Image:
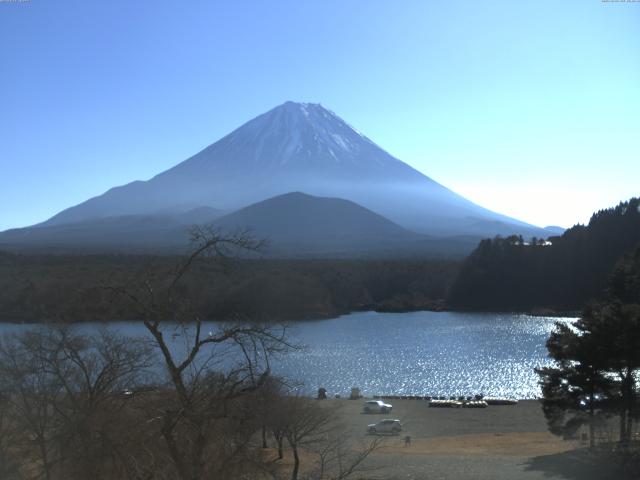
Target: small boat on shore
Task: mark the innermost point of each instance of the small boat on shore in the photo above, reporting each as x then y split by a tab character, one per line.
500	401
445	404
475	404
475	401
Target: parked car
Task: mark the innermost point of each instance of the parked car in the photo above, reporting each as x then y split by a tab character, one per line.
385	426
376	406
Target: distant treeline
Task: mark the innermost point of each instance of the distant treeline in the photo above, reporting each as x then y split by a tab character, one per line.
78	288
562	274
502	274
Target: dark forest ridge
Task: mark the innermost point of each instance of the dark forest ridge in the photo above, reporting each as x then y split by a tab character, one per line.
510	274
40	288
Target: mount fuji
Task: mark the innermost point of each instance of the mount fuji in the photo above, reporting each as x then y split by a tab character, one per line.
295	147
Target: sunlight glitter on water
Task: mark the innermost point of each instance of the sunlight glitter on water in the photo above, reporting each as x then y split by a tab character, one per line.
417	353
422	353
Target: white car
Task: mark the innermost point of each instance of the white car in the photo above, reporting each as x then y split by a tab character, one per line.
385	426
376	406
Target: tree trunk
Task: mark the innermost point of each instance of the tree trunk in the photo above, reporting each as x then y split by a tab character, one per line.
279	438
174	452
630	401
591	415
623	423
264	437
296	463
45	458
627	406
198	456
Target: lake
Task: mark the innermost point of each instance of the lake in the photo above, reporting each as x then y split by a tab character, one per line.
417	353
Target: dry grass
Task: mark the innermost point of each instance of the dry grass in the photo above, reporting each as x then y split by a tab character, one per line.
508	444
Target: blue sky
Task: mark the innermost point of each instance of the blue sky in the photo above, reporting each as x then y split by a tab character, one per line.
528	108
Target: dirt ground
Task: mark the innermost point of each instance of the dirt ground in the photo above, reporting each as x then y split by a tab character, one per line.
499	442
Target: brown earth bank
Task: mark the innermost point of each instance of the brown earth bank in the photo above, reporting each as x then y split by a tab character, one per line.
499	442
40	288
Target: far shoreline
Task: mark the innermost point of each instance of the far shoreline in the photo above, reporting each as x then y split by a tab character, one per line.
542	313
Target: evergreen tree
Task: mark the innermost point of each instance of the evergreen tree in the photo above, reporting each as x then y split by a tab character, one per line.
574	390
597	357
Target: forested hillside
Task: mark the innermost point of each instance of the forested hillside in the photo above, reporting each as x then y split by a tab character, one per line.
559	274
75	287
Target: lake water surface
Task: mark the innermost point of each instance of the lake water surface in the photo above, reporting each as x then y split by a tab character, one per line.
418	353
424	353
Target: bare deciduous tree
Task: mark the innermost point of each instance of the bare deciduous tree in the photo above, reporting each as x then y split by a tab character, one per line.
212	368
63	402
88	406
339	459
317	429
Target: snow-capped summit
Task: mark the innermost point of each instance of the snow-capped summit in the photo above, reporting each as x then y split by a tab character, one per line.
298	138
304	130
300	147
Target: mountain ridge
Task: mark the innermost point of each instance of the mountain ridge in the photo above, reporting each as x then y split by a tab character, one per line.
295	225
301	147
